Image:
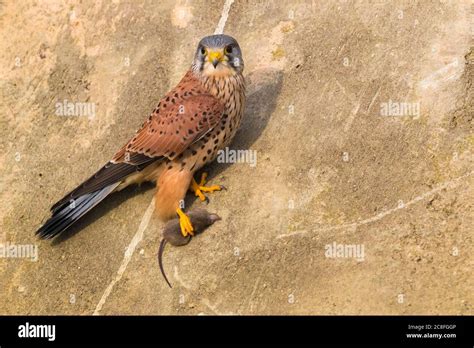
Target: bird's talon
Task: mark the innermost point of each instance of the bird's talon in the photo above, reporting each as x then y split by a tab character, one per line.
210	188
199	194
185	223
200	188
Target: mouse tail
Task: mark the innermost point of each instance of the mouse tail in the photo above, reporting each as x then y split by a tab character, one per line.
160	260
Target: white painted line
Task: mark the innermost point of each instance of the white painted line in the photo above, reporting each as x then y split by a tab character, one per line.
128	255
224	16
373	99
446	73
291	234
354	225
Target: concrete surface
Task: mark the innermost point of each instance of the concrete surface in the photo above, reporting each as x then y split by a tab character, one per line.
330	167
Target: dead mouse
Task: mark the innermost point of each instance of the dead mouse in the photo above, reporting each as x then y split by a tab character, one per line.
200	219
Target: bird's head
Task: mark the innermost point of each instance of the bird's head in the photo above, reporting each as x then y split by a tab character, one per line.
218	56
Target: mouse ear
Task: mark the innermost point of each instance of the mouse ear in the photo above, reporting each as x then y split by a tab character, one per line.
214	217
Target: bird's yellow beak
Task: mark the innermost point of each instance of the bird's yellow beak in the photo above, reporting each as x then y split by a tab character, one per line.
215	56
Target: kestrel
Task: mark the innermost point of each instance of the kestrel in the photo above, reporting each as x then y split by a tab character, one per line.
185	131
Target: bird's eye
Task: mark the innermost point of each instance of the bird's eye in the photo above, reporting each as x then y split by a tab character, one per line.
228	49
203	51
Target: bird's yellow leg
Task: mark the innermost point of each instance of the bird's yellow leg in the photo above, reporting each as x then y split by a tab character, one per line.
185	223
200	188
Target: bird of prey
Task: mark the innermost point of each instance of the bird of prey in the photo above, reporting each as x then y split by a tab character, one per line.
185	131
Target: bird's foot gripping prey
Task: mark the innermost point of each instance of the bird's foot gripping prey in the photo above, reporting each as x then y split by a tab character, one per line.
185	131
198	189
172	233
185	224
